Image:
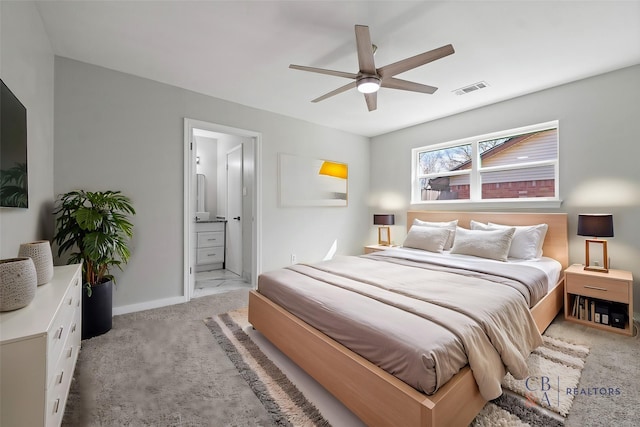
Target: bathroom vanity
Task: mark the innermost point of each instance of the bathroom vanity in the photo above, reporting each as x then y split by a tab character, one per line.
210	245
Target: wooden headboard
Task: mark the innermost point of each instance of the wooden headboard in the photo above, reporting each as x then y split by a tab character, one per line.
556	242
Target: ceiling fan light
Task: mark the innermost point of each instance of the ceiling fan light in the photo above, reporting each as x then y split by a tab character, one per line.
368	84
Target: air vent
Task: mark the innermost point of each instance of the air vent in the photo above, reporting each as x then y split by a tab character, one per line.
471	88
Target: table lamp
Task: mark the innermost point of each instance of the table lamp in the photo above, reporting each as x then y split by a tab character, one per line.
596	225
384	233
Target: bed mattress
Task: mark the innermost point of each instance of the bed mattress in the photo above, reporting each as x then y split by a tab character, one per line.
422	320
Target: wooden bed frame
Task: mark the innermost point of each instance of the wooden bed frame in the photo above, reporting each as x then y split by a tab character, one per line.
375	396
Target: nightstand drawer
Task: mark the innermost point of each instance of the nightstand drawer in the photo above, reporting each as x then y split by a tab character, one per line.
603	288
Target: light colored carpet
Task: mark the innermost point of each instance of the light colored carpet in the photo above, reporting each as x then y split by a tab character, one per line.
162	367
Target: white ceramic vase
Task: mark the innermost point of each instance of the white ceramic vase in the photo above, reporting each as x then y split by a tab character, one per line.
18	283
40	253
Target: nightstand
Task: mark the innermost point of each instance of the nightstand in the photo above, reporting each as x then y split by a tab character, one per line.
375	248
599	300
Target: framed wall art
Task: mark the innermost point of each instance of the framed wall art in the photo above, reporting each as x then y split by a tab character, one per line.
304	181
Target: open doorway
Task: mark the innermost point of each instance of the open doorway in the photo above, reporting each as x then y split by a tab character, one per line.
221	210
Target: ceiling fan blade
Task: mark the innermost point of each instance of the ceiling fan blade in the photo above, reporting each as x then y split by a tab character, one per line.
335	92
365	50
394	83
372	100
323	71
415	61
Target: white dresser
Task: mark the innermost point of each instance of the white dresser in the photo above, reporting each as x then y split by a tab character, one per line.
38	352
209	245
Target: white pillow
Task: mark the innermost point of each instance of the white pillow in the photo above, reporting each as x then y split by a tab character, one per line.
430	239
450	225
492	244
527	241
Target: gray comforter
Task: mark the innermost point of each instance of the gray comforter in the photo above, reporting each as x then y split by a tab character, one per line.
420	322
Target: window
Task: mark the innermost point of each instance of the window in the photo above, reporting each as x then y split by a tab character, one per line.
509	166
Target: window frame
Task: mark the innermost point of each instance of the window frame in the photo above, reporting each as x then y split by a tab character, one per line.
475	186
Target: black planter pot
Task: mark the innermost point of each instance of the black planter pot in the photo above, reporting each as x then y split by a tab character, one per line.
97	312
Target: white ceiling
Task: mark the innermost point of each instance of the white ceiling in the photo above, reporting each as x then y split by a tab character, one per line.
240	50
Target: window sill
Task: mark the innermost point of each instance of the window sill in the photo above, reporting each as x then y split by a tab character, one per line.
492	204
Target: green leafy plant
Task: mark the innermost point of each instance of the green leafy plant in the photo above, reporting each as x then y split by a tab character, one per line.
96	227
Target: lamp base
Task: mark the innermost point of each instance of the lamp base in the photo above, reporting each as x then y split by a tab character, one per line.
597	258
384	236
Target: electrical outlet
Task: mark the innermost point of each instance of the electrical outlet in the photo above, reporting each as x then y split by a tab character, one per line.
294	259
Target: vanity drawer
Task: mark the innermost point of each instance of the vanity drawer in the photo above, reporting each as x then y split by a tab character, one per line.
210	255
209	226
210	238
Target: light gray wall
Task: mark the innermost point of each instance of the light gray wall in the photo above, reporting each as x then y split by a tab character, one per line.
26	67
121	132
599	152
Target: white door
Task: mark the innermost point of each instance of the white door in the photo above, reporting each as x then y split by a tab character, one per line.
191	217
233	258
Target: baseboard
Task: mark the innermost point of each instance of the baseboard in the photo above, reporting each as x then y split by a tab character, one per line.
132	308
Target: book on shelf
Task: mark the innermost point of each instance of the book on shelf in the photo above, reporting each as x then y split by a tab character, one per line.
602	309
591	309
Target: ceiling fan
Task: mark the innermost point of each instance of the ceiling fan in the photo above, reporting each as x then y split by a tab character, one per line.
369	78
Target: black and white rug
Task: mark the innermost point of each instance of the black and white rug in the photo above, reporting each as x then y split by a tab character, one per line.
544	398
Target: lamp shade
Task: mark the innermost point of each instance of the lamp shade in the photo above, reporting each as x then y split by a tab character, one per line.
383	219
596	225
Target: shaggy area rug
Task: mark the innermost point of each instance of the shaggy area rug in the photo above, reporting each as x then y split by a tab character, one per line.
542	399
286	405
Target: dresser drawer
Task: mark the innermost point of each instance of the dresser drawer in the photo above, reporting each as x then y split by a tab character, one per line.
210	239
598	287
62	325
58	389
210	255
68	350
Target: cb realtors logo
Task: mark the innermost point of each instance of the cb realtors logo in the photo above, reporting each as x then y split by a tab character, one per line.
548	391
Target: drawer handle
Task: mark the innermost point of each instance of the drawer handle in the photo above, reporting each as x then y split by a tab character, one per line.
70	352
58	334
596	288
212	254
70	300
73	328
56	406
59	380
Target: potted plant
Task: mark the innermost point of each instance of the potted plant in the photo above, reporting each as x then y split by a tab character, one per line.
96	228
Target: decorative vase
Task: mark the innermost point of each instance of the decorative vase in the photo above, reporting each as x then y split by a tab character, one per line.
40	252
18	283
